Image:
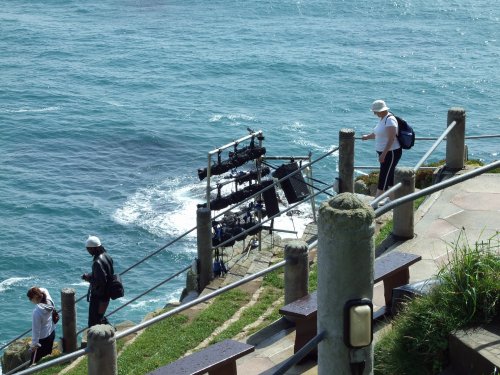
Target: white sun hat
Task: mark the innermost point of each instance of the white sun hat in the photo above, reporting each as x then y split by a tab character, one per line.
379	106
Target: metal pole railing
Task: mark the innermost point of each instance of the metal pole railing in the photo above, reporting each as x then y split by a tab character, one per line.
435	144
54	362
417	166
301	353
222	244
439	186
193	229
158	318
143	294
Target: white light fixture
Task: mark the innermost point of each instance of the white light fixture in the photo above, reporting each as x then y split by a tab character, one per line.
358	318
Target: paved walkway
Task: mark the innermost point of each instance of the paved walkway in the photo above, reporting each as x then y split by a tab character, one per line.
473	205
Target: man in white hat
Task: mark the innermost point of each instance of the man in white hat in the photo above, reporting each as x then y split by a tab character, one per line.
102	272
386	144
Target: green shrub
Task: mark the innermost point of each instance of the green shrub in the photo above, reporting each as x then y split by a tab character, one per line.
468	296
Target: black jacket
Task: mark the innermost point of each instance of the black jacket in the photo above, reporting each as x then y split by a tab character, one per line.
102	272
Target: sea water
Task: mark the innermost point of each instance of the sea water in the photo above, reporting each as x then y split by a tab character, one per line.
108	108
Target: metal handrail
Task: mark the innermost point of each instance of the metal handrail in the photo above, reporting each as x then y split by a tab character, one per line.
435	144
55	361
378	166
378	212
275	183
466	137
222	244
301	353
163	316
450	127
143	293
439	186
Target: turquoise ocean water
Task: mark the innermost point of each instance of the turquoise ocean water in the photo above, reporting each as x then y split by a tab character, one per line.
107	109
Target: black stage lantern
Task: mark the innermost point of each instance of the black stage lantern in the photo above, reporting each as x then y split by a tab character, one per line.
294	187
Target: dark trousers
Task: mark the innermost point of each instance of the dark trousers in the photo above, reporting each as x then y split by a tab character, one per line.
97	309
386	176
46	347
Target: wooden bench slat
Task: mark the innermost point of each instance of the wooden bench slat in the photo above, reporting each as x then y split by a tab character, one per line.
392	269
392	263
384	267
305	307
207	359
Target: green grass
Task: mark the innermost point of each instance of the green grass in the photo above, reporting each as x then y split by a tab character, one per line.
170	339
468	296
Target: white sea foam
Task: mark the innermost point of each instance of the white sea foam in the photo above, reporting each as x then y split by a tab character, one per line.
22	110
10	282
233	118
168	209
146	304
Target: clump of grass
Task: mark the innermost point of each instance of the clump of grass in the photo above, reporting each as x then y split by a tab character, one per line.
469	295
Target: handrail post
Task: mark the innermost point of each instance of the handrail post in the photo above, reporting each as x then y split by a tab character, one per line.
345	272
102	350
69	337
346	161
455	141
296	270
403	216
204	245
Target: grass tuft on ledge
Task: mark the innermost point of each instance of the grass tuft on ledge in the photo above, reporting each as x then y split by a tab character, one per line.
468	296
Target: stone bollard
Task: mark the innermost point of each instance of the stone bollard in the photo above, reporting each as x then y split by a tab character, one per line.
345	272
455	140
296	271
69	338
204	245
102	350
403	215
346	161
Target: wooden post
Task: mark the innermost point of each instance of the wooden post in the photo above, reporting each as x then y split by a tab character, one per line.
69	338
204	242
455	140
346	161
296	271
403	216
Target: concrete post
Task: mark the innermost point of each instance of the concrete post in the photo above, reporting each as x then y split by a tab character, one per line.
102	350
346	161
455	140
403	216
345	272
69	338
296	271
204	242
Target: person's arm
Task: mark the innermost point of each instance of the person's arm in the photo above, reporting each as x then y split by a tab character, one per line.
35	330
368	136
391	136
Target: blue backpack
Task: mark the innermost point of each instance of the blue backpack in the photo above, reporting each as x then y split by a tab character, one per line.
406	134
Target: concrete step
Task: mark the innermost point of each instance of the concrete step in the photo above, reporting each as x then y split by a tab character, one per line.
476	351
